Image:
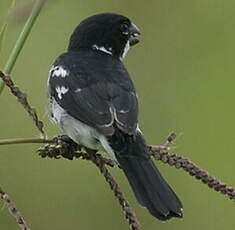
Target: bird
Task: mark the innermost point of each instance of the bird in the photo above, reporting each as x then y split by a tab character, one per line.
93	100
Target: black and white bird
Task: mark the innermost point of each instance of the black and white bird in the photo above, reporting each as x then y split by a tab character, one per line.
93	100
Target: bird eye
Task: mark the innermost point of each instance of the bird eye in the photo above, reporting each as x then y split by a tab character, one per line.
125	28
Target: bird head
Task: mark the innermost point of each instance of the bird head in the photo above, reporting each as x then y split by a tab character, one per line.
110	33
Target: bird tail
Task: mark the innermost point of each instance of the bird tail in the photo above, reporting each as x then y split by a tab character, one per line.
149	187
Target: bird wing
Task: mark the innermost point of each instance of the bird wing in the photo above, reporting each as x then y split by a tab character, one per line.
99	103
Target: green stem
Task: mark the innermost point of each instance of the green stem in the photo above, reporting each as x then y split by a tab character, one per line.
25	141
2	33
21	40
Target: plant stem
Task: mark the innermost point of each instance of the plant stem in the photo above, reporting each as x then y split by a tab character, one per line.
24	141
21	40
2	33
13	210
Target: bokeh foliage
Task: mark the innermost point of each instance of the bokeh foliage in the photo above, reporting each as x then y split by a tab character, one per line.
183	70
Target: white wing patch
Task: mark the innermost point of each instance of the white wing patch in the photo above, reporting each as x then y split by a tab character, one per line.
61	90
58	71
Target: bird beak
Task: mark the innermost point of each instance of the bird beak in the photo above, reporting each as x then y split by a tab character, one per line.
134	32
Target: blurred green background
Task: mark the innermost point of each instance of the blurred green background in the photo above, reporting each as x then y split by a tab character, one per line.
184	73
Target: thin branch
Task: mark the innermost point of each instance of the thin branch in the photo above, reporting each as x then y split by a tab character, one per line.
191	168
25	141
195	171
127	209
22	98
13	210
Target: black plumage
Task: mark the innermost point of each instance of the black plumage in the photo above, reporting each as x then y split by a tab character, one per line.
97	83
93	99
150	188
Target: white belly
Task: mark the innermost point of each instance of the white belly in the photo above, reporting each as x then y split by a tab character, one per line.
77	130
